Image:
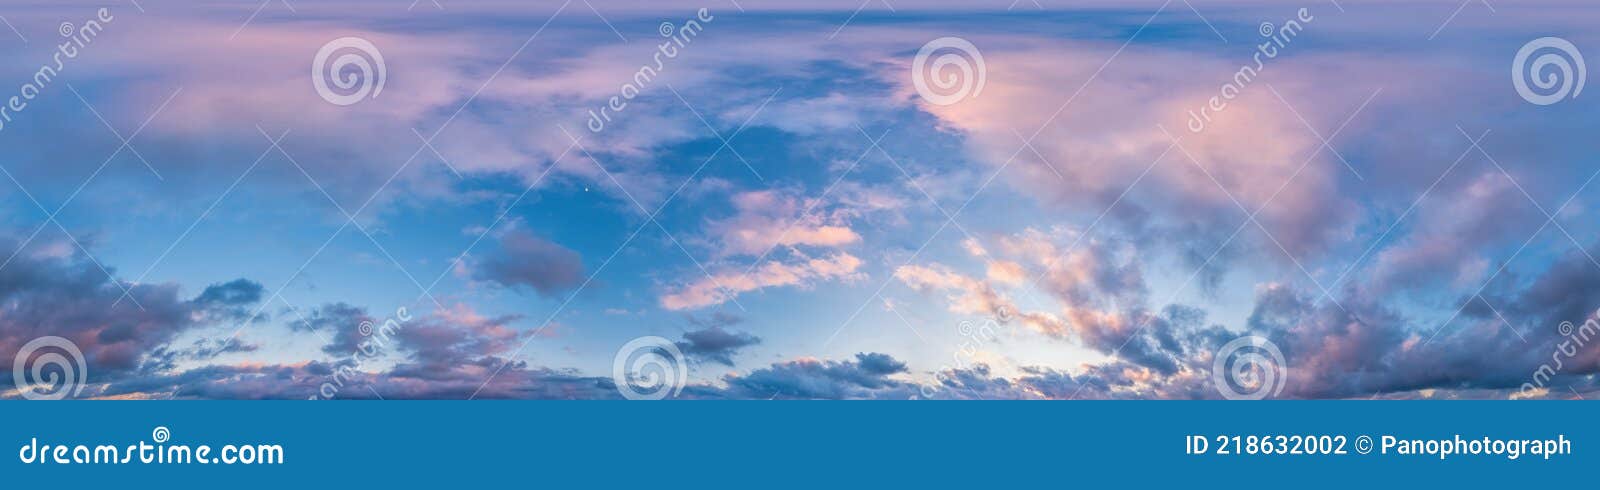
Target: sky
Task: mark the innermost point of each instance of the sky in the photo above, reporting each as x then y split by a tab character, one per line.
801	200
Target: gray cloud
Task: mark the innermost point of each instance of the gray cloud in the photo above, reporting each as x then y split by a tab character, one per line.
526	260
342	320
866	376
714	344
44	293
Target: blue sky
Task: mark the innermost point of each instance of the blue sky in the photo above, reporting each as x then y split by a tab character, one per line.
835	244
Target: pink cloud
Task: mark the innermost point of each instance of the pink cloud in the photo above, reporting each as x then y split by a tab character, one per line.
722	287
769	218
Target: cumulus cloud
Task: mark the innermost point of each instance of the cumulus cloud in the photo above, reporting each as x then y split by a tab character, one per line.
1358	347
451	353
1499	342
724	286
715	344
70	296
980	383
526	260
232	302
342	320
1098	288
238	292
452	339
1446	244
1098	295
967	295
769	218
1078	270
868	375
1125	122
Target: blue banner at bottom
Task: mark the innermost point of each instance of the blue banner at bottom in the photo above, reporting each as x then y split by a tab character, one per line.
797	444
